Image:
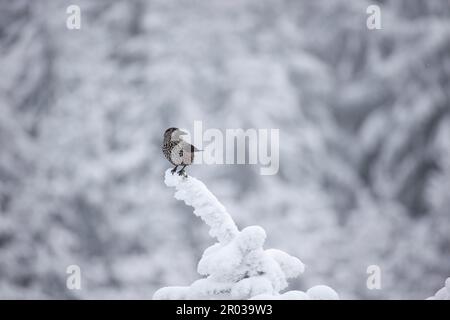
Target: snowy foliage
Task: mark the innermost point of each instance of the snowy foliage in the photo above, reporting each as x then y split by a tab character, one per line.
442	294
237	266
195	194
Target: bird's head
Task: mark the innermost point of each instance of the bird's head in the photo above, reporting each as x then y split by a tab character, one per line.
173	134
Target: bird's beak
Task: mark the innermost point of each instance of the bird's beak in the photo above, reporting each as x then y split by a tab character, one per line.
183	133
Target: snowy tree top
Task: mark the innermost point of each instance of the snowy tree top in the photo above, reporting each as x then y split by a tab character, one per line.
237	266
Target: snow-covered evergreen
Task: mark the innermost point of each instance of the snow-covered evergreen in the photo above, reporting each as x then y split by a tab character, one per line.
443	293
237	266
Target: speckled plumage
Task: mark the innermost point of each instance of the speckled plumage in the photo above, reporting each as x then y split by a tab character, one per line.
176	150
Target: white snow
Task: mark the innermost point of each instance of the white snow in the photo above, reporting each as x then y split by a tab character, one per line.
443	293
171	293
291	266
236	267
194	193
322	292
294	295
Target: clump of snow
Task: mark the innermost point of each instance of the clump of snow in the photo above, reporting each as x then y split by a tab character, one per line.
250	287
171	293
294	295
291	266
251	238
443	293
237	267
322	293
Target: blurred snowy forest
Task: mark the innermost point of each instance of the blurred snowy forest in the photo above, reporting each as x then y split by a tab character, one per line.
364	118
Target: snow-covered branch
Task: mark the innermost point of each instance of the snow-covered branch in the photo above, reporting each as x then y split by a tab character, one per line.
206	206
443	293
237	267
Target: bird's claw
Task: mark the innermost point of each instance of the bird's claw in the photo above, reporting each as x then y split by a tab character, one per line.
173	171
182	173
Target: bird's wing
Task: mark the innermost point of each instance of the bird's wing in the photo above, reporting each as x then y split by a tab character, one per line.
187	147
194	148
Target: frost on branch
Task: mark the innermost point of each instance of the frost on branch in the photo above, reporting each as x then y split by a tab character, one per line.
443	293
237	266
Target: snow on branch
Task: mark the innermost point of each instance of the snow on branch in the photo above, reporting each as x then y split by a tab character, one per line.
237	266
443	293
206	206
